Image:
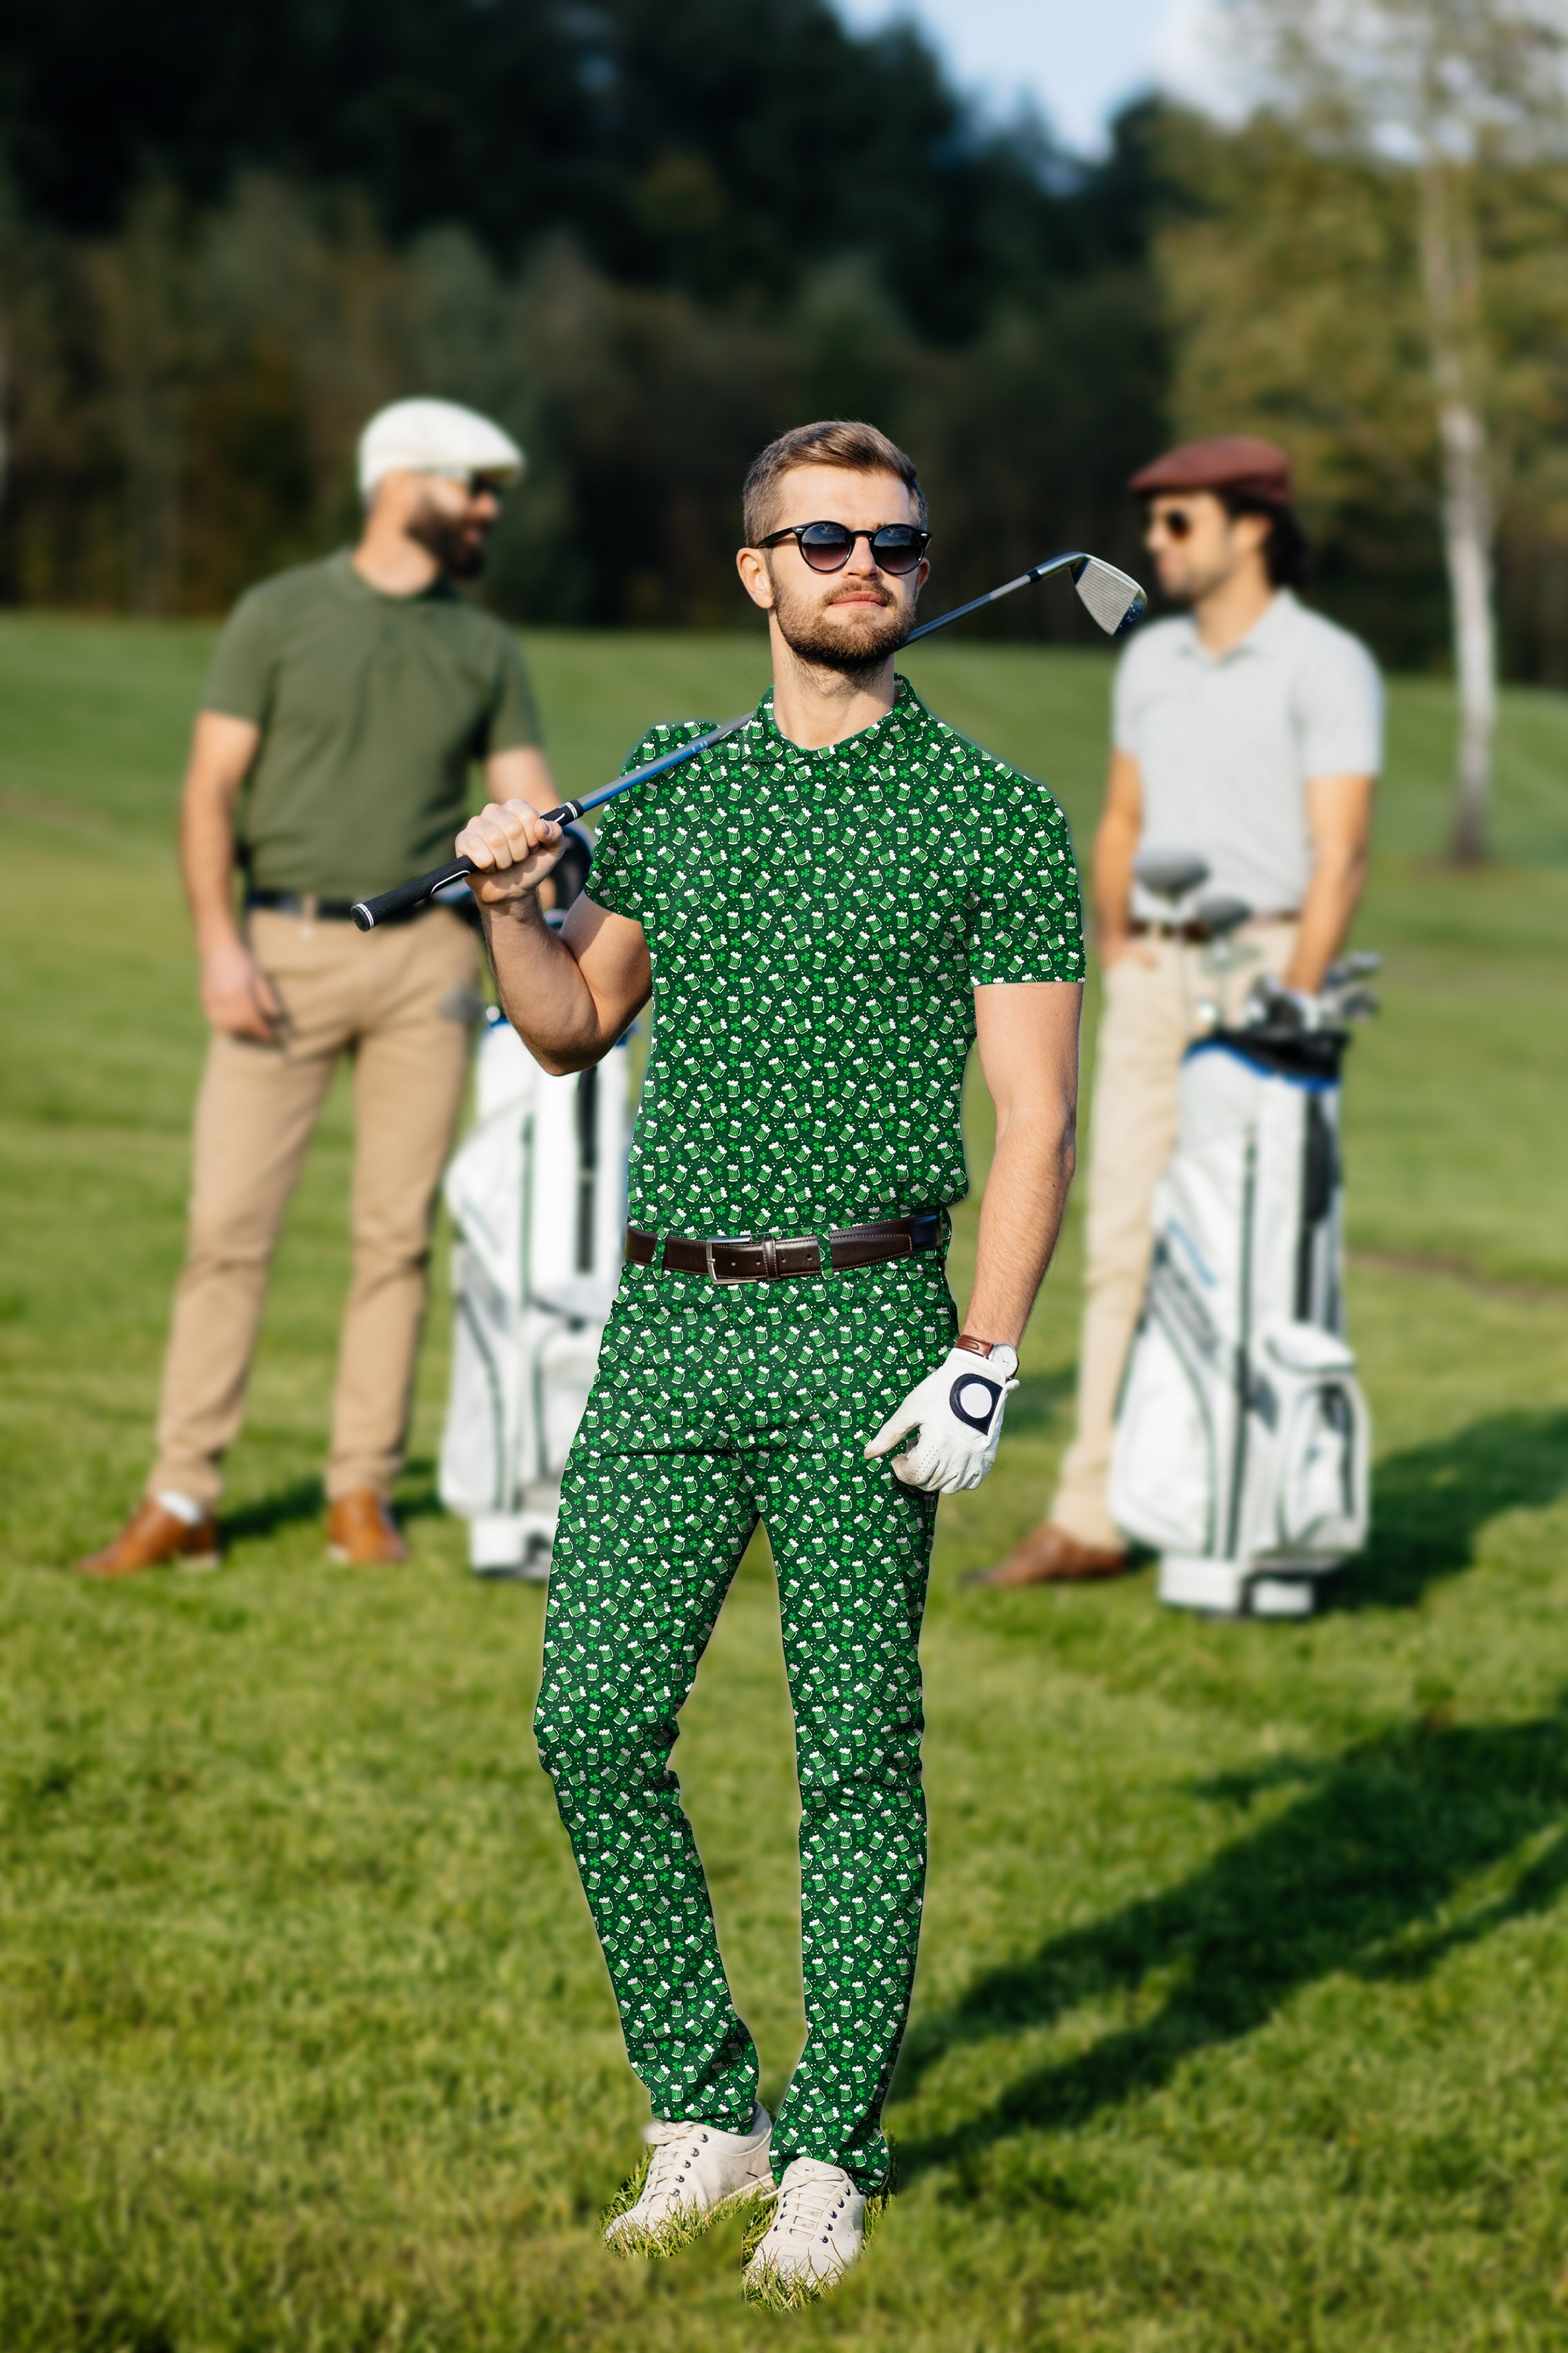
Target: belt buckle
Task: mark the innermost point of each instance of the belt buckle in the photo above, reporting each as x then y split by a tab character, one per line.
713	1273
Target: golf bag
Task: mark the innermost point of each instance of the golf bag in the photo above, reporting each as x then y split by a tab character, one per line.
538	1191
1242	1439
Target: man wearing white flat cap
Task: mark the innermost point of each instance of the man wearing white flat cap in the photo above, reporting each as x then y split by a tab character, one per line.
330	758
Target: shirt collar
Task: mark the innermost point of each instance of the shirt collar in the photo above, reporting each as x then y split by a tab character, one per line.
906	702
353	584
1271	624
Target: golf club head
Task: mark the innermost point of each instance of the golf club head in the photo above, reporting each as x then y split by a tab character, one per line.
1270	1006
1170	873
1222	915
1359	966
1112	598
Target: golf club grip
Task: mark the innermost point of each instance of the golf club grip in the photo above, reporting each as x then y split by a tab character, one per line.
403	901
368	913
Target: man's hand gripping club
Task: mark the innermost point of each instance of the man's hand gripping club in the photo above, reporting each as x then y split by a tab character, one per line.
569	994
513	849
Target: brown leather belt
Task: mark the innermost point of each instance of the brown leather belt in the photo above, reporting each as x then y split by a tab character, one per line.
1198	934
726	1260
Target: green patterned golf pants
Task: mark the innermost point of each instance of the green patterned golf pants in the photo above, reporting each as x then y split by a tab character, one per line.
717	1407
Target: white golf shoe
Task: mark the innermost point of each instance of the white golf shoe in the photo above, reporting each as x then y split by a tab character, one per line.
818	2230
694	2172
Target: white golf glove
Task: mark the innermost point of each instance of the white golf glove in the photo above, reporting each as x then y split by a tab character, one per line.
958	1412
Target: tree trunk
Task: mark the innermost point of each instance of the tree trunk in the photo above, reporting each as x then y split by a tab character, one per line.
1450	274
1468	533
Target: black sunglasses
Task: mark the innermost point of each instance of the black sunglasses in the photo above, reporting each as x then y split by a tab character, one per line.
896	547
1174	522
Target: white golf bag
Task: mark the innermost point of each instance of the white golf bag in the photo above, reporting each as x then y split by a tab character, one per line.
538	1191
1242	1439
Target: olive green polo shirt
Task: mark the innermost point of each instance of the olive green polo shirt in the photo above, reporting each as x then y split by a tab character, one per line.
371	709
819	922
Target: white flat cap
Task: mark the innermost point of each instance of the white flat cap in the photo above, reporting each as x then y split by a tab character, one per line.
434	436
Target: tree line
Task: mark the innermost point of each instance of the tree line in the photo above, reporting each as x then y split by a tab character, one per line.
649	237
646	236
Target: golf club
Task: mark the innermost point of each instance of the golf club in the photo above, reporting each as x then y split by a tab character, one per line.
1113	598
1170	873
401	901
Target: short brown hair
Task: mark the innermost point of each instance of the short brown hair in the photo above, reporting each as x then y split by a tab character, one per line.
834	441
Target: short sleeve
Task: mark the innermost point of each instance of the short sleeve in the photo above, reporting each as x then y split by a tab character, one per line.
1340	708
1026	921
240	679
514	715
618	878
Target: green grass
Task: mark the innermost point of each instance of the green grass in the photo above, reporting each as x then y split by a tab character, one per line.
1239	2021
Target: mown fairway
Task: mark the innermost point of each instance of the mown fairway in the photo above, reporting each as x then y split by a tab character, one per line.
1241	2018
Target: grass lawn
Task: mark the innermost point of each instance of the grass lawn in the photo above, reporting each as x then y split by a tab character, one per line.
1240	2019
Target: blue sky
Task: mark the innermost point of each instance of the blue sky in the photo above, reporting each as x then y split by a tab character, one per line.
1077	59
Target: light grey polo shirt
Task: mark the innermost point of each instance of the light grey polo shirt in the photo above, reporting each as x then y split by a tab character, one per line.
1226	744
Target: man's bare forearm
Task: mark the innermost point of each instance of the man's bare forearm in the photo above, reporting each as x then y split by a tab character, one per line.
1116	839
542	992
1333	897
1115	845
1020	1220
206	865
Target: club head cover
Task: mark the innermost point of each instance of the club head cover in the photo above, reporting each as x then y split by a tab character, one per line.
957	1413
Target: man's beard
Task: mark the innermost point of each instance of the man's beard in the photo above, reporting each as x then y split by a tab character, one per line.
1198	583
854	644
459	554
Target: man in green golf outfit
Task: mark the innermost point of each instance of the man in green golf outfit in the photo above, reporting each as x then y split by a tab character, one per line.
827	909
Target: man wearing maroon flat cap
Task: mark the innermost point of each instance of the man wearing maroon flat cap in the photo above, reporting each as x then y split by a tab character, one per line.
1248	733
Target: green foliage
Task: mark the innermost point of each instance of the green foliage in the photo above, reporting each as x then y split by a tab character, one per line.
1239	2021
1294	284
689	142
189	392
648	237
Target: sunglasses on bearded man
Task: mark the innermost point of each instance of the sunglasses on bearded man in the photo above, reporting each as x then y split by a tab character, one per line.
477	482
896	547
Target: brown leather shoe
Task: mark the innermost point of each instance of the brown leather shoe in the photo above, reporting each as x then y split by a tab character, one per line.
1049	1555
152	1537
362	1532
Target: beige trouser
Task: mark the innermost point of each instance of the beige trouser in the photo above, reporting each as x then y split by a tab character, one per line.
1149	1016
380	998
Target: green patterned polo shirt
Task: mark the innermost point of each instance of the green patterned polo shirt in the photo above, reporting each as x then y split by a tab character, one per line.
817	923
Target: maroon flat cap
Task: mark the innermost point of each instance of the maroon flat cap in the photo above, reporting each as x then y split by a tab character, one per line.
1228	461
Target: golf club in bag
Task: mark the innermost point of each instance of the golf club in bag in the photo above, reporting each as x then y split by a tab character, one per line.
1242	1438
1111	597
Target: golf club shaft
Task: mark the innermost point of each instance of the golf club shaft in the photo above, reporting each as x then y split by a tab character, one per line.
369	912
409	896
1024	579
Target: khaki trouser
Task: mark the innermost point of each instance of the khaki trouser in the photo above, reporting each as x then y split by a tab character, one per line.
380	998
1148	1018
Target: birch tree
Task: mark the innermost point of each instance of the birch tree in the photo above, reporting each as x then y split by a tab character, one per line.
1445	92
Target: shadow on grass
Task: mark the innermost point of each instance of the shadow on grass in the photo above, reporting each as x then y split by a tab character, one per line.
305	1499
1363	1873
302	1499
417	1497
1430	1503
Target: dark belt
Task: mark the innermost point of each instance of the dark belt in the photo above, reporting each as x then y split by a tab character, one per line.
1198	934
728	1260
312	909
